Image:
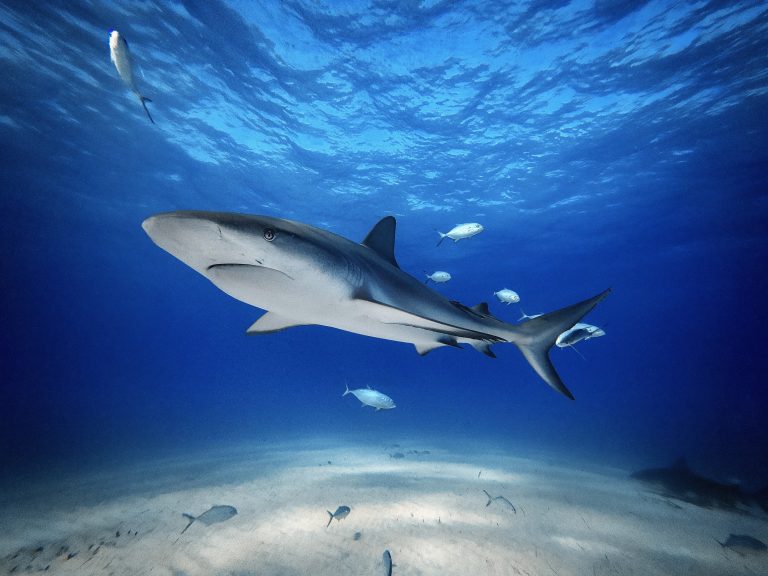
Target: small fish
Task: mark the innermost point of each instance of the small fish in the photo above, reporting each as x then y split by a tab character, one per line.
437	277
501	499
387	561
341	513
579	332
461	231
526	316
120	56
370	397
397	455
213	515
743	544
507	296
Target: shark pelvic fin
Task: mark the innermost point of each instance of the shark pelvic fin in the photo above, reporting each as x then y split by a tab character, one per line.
424	349
271	322
381	239
539	335
484	347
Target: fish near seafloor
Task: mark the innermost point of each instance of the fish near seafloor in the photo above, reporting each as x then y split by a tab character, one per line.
370	397
386	560
461	231
304	275
120	56
341	513
213	515
744	544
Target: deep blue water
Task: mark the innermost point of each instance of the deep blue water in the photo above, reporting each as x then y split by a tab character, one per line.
601	144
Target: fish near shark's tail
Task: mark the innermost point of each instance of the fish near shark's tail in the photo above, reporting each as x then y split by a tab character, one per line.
536	336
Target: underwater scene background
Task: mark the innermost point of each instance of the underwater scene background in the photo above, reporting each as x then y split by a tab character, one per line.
600	144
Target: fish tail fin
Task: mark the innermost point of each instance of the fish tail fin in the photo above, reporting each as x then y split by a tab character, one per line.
442	237
144	100
190	518
347	391
427	275
535	337
329	519
489	499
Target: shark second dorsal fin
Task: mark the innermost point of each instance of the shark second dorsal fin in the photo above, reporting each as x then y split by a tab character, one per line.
381	239
481	308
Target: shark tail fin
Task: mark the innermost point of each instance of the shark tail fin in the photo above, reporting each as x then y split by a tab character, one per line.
144	100
329	519
539	335
191	519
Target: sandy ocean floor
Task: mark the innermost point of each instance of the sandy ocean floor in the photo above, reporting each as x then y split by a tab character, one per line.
424	504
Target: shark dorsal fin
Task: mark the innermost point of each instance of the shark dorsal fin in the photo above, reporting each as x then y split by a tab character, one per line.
381	239
481	308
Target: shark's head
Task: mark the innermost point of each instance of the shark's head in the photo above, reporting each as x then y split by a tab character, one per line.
255	259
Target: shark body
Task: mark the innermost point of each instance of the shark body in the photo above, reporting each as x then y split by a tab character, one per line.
304	275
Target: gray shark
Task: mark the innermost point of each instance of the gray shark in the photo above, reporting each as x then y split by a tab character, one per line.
303	275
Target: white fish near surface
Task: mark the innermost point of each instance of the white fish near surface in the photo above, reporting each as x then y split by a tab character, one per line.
461	231
507	296
579	332
438	277
371	397
118	51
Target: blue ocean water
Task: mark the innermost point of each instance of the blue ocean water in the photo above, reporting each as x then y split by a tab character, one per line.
601	144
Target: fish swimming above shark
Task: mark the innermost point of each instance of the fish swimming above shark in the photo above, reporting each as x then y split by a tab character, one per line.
302	275
121	58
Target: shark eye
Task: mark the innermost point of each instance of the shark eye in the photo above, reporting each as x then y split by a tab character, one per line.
269	234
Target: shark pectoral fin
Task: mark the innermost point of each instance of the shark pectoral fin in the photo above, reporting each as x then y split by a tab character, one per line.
271	322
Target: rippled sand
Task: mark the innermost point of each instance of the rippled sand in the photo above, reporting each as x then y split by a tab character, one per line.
427	507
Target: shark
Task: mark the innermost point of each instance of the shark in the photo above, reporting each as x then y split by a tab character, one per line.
678	481
302	275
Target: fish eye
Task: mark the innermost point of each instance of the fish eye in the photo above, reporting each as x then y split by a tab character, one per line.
269	234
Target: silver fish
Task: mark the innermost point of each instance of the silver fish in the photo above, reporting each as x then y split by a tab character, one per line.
341	513
370	397
387	562
213	515
120	56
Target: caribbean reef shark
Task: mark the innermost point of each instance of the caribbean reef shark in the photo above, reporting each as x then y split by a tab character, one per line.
680	482
303	275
